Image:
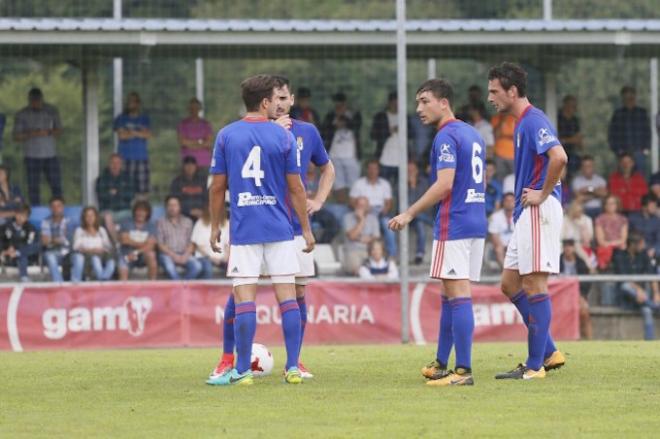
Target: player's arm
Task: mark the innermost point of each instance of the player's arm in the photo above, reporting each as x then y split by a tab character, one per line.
217	208
435	194
326	181
557	160
299	202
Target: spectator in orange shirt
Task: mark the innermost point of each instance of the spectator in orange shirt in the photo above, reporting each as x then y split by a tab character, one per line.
503	127
628	184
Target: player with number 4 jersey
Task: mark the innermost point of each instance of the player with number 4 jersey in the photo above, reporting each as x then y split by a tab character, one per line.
458	187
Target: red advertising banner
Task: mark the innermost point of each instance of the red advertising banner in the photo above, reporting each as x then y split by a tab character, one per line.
160	314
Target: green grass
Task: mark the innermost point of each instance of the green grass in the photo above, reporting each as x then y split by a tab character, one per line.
607	389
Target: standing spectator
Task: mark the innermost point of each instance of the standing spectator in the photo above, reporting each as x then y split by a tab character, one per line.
571	265
644	295
361	227
503	128
500	227
377	266
493	189
630	129
195	135
137	237
37	126
91	244
475	100
418	184
18	242
379	193
201	238
54	239
385	132
590	187
611	231
646	223
628	184
568	128
10	195
176	249
483	127
303	109
133	129
190	187
114	192
579	228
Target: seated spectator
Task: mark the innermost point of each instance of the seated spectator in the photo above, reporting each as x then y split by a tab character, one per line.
644	295
173	233
191	188
323	218
91	244
377	266
195	135
493	189
590	187
137	238
201	238
571	265
361	227
418	184
628	184
114	192
500	227
611	232
379	193
647	224
18	241
10	195
133	129
579	227
509	184
54	239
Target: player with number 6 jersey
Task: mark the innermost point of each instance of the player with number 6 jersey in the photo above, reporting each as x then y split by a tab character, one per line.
458	187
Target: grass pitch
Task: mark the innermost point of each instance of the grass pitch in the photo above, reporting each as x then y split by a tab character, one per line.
607	389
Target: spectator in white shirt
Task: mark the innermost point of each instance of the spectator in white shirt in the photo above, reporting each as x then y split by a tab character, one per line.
361	228
579	227
483	127
200	238
91	243
591	187
377	266
500	226
509	184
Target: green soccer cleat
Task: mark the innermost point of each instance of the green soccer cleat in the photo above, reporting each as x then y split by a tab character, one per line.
293	376
232	378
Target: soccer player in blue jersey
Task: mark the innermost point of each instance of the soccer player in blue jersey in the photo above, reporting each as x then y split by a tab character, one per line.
258	161
311	149
534	249
458	187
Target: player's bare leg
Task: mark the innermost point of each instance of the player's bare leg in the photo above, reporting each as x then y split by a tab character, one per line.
302	305
462	317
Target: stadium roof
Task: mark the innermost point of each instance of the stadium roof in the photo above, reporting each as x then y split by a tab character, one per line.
214	37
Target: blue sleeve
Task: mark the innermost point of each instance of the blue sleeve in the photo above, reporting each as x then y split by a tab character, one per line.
319	154
118	122
218	162
543	134
292	154
146	121
444	148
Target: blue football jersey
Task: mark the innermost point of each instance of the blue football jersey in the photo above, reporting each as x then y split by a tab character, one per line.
462	214
534	136
256	155
311	150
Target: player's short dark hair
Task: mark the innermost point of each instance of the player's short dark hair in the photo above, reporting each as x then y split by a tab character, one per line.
510	74
255	89
628	89
35	93
281	81
144	205
440	88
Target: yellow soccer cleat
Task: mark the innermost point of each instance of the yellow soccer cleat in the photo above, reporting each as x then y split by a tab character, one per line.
433	368
554	361
531	374
293	376
450	378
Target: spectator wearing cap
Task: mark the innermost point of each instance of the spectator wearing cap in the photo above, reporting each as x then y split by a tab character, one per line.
195	134
568	128
646	223
630	129
133	129
173	233
10	195
190	187
341	135
303	109
37	127
55	240
628	184
385	132
18	241
114	192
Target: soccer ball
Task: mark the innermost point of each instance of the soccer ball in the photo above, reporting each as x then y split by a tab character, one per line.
261	361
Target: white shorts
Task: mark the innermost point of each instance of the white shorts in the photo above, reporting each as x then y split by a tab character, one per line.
457	259
271	259
535	245
305	260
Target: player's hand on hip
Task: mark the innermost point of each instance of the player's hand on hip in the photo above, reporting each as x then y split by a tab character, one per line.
284	121
309	241
313	206
400	221
215	240
531	197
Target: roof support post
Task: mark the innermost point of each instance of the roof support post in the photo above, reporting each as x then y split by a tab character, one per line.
655	155
91	147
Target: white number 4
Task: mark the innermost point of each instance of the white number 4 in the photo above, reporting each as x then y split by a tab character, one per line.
477	164
252	166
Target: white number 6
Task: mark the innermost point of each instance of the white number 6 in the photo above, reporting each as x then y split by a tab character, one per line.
477	164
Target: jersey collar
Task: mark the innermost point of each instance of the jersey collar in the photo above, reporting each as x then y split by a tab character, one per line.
255	119
444	124
524	113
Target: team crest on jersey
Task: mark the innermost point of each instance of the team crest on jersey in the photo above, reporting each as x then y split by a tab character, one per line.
518	141
299	143
546	137
446	154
